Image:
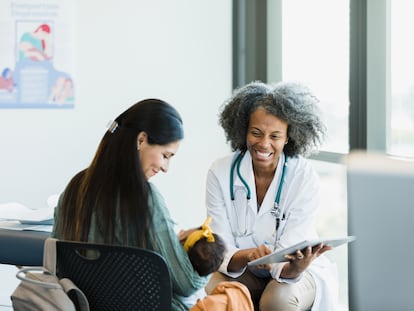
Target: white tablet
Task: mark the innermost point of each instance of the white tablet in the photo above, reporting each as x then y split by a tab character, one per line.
279	256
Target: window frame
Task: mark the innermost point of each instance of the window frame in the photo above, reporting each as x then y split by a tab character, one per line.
256	24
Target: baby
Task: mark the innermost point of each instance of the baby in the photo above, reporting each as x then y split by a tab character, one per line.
206	252
205	249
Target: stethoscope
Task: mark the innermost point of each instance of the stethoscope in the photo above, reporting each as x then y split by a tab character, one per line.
276	210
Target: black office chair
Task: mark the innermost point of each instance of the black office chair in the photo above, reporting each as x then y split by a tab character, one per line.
116	277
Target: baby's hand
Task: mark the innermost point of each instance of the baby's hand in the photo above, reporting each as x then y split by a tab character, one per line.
183	234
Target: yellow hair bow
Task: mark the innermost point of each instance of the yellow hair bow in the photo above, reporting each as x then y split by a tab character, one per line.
205	231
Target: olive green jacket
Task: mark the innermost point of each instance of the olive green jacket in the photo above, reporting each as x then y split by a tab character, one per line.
185	280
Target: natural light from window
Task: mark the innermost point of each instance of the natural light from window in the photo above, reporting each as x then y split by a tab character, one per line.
402	79
315	50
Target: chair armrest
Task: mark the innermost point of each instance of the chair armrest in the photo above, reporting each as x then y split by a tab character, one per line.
22	248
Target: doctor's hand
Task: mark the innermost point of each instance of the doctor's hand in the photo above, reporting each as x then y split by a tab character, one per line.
301	259
243	256
259	252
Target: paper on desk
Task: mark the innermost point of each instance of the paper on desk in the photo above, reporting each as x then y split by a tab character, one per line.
18	226
25	215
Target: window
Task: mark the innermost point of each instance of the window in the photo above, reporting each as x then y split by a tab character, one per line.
315	50
402	79
332	218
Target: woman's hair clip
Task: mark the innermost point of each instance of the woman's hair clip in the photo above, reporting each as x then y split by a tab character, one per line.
112	126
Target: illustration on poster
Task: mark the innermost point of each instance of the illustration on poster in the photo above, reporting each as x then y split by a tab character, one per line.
34	45
34	82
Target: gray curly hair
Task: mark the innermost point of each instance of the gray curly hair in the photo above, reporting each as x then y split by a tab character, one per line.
292	102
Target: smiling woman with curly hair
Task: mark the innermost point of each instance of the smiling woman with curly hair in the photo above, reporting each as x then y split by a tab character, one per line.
265	196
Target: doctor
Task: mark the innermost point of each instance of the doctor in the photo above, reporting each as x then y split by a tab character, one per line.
265	197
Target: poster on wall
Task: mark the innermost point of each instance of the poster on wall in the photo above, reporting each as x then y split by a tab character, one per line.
37	54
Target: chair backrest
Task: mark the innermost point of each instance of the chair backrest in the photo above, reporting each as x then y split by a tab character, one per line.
116	277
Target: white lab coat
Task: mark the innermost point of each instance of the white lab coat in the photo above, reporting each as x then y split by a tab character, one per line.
299	202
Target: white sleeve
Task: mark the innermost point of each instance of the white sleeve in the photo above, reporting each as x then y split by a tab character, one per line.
276	270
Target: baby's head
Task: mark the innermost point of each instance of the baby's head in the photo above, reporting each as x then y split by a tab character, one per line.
205	249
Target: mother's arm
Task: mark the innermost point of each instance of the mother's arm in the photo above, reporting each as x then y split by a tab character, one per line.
185	279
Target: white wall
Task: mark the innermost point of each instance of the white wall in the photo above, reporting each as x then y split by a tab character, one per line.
128	50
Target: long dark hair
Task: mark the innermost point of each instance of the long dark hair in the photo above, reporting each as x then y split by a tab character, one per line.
113	191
